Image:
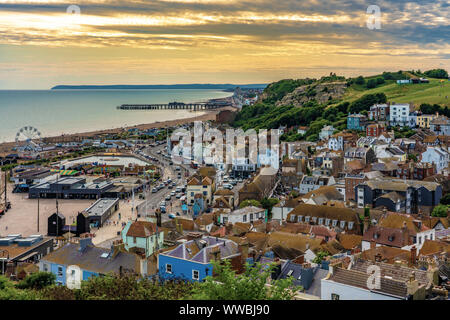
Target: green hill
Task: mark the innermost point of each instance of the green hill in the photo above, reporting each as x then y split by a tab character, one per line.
435	92
315	103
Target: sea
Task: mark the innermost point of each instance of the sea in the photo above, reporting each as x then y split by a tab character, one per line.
56	112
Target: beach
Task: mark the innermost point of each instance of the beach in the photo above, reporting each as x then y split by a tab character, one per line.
208	115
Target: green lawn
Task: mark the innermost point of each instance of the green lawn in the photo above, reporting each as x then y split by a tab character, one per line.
433	92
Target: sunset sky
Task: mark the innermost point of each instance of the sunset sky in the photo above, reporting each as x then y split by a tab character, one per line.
214	41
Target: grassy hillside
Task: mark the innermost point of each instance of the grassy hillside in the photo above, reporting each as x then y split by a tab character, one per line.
434	92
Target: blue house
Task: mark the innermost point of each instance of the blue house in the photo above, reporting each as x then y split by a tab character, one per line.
74	262
356	122
302	274
190	261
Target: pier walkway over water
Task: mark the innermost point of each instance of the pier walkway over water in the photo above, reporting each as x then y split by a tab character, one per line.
173	105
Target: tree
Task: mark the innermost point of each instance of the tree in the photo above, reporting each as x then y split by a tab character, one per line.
360	80
250	202
372	83
437	73
9	292
37	280
412	156
446	199
380	80
440	211
250	285
268	203
320	256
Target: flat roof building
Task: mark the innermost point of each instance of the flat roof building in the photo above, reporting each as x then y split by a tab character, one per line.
101	210
70	188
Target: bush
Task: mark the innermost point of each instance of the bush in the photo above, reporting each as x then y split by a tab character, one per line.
250	202
440	211
360	80
250	285
37	280
437	73
446	199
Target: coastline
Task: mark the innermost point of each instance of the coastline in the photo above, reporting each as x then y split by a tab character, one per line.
5	147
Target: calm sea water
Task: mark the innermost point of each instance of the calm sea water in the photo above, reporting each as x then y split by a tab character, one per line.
54	112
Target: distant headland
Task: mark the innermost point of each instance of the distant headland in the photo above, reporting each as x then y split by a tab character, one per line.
163	86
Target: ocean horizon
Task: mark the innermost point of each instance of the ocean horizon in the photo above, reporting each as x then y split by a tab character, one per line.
56	112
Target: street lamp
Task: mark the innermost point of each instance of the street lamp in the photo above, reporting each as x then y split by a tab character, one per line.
4	259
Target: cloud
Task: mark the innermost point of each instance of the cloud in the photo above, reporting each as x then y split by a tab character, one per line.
284	32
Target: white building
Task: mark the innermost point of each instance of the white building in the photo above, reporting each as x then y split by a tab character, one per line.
244	215
399	114
438	156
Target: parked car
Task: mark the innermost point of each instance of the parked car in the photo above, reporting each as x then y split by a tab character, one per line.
168	197
163	209
171	216
154	190
173	193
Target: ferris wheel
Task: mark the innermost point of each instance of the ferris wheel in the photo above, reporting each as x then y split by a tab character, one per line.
29	135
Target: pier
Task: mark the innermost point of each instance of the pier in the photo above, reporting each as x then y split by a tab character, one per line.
173	105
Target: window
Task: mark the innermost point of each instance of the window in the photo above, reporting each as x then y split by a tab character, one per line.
342	224
134	239
350	225
290	273
45	267
60	271
244	218
251	216
320	220
293	218
299	218
168	268
334	296
195	275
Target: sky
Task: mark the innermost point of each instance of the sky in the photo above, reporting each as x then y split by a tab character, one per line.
47	43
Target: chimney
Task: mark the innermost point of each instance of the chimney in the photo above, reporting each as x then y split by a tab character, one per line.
84	243
366	224
115	249
215	254
412	284
433	273
243	249
413	255
158	217
405	233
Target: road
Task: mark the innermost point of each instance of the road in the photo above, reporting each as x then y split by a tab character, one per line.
152	200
